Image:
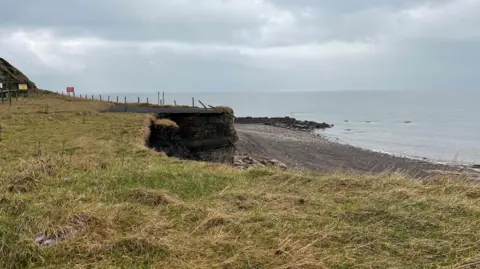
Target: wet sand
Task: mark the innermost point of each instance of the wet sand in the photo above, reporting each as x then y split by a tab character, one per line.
309	152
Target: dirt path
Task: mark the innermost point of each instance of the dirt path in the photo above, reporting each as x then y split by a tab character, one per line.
306	151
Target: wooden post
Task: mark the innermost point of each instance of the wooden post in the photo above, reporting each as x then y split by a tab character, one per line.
117	99
138	100
163	98
147	100
9	93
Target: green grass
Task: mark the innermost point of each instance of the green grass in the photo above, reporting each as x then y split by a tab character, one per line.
75	169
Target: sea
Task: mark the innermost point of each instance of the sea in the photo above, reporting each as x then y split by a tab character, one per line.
441	126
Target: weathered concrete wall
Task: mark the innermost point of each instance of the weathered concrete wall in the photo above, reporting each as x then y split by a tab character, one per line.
204	137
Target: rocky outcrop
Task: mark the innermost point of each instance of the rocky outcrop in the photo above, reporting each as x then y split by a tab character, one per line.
10	74
284	122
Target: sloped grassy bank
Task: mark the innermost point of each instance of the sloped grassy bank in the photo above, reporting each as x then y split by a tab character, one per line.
86	180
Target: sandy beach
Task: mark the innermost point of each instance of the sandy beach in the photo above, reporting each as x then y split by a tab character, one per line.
310	152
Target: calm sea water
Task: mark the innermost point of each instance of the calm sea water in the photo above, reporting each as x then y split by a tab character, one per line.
442	126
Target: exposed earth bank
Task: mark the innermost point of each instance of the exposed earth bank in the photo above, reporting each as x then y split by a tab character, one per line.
307	151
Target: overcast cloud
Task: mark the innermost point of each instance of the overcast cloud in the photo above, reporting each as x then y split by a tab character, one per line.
243	45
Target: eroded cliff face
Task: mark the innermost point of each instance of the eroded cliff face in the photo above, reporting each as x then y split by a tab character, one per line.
10	74
202	137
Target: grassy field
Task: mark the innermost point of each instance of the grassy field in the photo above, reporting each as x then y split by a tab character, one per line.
85	178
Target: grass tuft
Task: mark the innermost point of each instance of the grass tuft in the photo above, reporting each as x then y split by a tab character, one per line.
151	197
229	110
215	220
23	182
166	123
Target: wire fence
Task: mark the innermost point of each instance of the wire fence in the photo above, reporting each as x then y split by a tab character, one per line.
7	96
119	99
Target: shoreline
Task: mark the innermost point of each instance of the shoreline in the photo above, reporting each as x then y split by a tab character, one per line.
415	158
309	151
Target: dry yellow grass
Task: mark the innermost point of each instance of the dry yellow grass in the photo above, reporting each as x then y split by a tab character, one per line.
166	123
224	108
84	178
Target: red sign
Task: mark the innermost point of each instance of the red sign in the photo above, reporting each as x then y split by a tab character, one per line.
70	89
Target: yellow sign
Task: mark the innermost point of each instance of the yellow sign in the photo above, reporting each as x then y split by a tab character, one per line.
23	87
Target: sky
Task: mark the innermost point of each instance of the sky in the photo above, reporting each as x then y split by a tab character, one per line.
243	45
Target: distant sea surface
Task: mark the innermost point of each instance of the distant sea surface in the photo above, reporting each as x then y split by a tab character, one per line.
440	126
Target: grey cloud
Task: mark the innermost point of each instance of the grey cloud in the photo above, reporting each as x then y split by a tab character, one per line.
127	20
215	45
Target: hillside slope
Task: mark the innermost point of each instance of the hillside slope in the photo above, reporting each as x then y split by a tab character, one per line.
9	73
84	186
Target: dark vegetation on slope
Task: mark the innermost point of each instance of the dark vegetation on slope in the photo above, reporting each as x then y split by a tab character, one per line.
14	76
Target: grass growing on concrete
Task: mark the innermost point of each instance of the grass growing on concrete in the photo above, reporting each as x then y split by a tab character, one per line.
85	178
166	123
